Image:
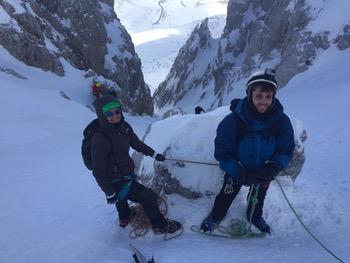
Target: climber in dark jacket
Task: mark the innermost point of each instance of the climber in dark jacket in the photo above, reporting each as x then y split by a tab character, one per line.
113	167
253	144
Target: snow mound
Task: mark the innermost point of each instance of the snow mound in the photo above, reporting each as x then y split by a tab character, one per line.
191	138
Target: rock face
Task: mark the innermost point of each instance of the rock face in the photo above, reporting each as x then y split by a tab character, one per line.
87	34
191	138
186	67
258	34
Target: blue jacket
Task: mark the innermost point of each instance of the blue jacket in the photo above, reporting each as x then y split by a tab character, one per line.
243	138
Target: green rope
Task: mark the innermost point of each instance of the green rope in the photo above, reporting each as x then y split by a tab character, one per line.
254	201
302	223
237	228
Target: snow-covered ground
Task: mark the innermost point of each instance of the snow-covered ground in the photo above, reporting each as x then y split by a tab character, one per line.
157	44
51	209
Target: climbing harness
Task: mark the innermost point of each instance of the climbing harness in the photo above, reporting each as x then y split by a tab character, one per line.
229	186
126	187
124	191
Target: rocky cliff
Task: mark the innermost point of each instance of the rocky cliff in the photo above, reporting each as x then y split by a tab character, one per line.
86	33
257	34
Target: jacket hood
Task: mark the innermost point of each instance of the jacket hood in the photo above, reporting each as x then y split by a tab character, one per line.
273	115
98	104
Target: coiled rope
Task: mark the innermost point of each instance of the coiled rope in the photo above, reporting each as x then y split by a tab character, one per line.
234	227
139	220
237	228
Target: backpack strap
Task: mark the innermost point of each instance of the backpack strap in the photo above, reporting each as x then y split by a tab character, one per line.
236	104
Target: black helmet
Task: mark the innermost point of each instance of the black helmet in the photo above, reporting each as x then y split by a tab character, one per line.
266	78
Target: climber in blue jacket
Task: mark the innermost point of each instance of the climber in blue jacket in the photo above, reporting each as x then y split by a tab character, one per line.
253	144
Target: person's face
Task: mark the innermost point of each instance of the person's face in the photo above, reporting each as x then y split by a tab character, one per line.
262	100
113	116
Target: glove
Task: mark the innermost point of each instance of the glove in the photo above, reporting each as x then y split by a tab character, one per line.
265	175
248	177
269	171
159	157
236	170
232	168
254	178
112	199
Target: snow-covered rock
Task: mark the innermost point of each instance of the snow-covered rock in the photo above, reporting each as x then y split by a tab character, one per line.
343	39
173	112
87	34
191	137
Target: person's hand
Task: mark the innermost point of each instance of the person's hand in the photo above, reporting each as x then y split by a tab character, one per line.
159	157
254	178
246	177
269	171
237	171
267	174
112	199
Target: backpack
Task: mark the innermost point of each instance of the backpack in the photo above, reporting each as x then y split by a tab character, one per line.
88	133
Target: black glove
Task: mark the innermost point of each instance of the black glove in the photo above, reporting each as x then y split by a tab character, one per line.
247	177
269	171
159	157
265	175
112	199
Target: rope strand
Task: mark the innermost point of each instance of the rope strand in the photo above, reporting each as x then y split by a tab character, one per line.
189	161
302	223
285	197
140	221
